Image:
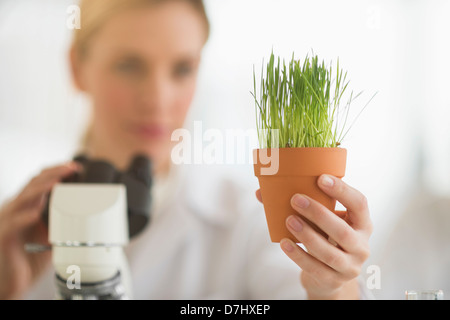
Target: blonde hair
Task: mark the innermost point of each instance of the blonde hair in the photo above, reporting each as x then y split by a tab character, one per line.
94	14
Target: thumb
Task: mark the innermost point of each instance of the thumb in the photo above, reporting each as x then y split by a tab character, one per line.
258	195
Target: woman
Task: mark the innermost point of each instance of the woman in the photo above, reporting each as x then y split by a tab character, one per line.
138	61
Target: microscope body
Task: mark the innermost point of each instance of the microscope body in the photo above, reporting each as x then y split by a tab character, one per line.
88	229
91	217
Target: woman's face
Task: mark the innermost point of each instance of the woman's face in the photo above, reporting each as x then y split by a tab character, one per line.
140	71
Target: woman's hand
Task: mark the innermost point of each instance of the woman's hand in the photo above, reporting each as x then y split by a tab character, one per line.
20	223
330	267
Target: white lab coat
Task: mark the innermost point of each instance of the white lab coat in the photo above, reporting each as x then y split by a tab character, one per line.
416	255
207	239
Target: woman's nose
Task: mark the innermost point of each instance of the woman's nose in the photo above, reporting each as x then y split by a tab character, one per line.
155	94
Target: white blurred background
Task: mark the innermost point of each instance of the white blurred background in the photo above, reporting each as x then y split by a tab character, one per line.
398	48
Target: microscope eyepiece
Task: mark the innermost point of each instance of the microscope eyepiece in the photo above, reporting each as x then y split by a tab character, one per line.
140	169
98	172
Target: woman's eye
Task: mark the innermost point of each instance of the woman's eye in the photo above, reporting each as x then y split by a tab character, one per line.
183	70
129	66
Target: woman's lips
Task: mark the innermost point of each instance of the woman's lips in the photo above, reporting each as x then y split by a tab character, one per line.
151	131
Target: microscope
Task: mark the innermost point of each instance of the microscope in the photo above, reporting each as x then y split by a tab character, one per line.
91	216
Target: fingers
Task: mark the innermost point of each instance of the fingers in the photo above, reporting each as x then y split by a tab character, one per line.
352	199
43	183
23	219
26	208
321	249
315	268
11	224
258	195
335	227
334	261
52	174
16	215
357	214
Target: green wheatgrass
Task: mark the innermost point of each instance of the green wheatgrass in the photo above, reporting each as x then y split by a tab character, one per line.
302	101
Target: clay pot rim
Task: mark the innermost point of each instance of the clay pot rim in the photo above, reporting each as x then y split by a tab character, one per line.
333	161
303	148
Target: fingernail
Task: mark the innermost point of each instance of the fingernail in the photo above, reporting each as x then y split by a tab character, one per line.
327	181
294	223
286	245
73	165
69	164
301	201
42	200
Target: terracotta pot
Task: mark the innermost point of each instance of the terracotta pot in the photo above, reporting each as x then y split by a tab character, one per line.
284	172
